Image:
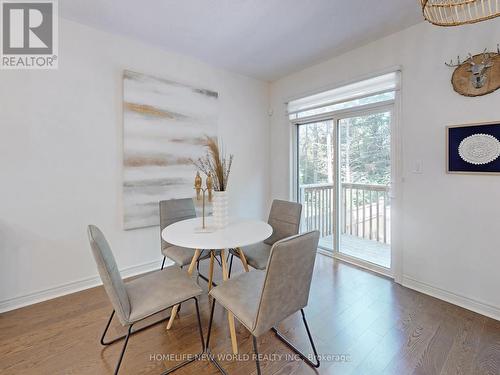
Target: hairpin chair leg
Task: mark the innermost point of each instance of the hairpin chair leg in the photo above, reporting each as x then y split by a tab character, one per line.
257	361
163	263
291	346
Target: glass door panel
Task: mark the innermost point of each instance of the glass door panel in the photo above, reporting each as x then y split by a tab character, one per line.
315	172
365	175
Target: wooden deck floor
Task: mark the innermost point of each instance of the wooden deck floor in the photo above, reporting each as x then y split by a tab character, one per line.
363	324
368	250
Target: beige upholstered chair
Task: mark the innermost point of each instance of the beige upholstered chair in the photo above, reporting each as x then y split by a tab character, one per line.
284	218
261	299
143	296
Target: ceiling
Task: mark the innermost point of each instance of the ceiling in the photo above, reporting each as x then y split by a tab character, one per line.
265	39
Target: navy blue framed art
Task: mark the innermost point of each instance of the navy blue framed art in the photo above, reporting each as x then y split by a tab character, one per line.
473	148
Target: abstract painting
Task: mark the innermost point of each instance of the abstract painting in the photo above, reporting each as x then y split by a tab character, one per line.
164	127
474	148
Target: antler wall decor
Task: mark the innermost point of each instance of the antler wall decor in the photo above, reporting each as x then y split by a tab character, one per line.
477	75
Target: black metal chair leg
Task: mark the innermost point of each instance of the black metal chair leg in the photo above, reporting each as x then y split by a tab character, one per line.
210	324
180	305
198	269
104	343
202	275
219	261
117	368
291	346
106	330
257	361
211	357
130	332
163	263
310	339
199	325
196	356
230	265
315	364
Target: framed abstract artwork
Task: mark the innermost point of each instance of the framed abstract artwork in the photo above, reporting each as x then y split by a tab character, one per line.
473	148
164	128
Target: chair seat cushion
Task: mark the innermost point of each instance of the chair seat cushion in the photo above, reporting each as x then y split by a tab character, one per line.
182	256
241	296
257	255
159	290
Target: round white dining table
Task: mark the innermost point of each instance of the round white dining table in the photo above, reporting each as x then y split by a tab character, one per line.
240	232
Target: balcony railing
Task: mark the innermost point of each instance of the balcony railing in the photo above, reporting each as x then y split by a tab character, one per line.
364	210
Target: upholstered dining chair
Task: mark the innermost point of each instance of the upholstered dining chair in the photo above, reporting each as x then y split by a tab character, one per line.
172	211
143	296
261	299
284	218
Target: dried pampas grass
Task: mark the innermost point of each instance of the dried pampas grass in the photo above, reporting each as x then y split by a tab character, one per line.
215	163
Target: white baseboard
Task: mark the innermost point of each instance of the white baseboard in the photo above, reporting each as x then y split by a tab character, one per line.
456	299
76	286
71	287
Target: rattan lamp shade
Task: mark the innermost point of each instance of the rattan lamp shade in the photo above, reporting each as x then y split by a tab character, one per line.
459	12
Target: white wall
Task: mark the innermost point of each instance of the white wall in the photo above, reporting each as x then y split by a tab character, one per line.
61	155
61	141
449	224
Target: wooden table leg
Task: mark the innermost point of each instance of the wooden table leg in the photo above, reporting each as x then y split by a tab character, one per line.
211	270
230	317
173	313
243	259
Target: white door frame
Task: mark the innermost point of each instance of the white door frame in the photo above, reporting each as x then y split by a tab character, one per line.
396	178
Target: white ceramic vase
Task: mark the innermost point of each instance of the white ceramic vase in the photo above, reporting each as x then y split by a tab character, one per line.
220	209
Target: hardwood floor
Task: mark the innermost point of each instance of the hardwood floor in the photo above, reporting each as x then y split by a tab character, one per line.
362	324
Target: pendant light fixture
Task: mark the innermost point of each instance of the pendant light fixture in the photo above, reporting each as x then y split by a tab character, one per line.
459	12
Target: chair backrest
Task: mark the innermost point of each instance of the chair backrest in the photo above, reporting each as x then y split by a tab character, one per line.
284	217
172	211
110	276
288	280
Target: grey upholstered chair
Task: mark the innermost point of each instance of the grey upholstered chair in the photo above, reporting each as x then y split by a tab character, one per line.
143	296
261	299
172	211
284	218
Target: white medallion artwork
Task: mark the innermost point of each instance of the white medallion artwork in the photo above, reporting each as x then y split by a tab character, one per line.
164	127
479	149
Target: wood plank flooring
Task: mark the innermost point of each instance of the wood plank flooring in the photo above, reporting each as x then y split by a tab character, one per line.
363	324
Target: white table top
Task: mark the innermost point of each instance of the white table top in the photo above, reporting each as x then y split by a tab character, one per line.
239	232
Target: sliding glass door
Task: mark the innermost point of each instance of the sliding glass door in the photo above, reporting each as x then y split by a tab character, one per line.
364	171
343	180
315	175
